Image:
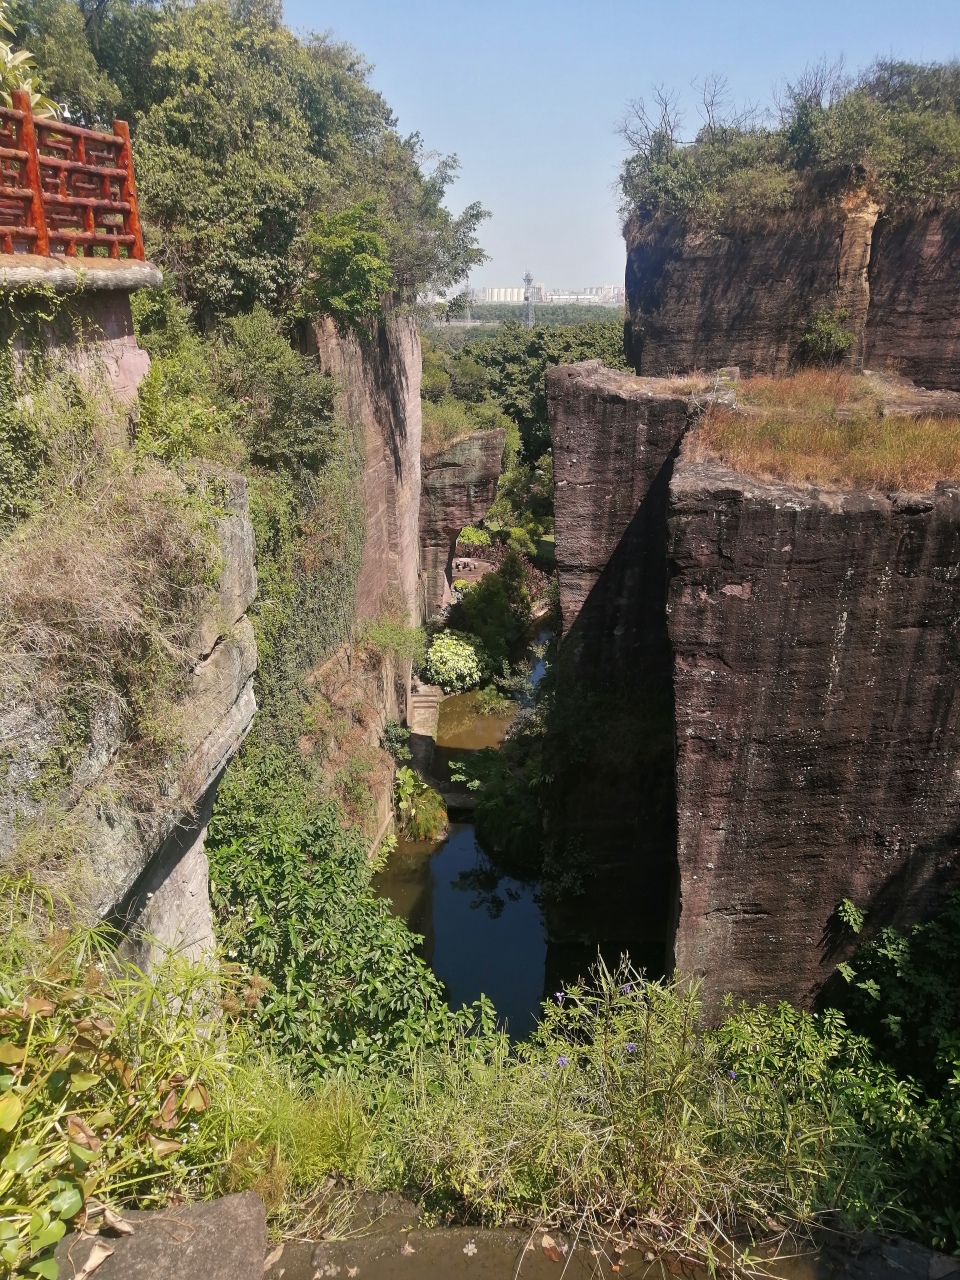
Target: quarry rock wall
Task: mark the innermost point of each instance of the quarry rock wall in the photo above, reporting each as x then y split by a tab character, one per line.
776	673
815	684
459	484
378	377
703	297
615	438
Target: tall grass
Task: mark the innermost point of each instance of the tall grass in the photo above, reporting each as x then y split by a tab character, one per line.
624	1117
825	428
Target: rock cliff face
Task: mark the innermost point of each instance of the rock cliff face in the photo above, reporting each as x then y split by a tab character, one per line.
459	484
793	651
615	438
704	298
379	388
147	870
818	754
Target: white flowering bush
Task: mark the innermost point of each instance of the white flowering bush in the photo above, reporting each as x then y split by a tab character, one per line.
454	662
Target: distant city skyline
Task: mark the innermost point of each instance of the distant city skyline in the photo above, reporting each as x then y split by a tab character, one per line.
598	294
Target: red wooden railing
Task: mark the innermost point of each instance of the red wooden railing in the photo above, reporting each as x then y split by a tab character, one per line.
65	190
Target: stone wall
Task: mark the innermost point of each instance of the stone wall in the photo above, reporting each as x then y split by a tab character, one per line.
95	331
379	388
818	755
459	484
706	297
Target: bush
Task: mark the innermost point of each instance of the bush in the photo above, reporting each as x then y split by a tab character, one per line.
472	537
825	341
421	811
395	738
454	662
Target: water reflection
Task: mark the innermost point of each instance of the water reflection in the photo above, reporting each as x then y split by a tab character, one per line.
483	931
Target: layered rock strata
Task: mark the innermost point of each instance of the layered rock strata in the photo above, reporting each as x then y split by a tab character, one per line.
702	297
773	670
615	438
378	379
459	484
145	869
818	755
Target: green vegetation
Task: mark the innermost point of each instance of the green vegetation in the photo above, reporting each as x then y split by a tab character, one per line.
423	815
496	610
891	134
455	662
550	315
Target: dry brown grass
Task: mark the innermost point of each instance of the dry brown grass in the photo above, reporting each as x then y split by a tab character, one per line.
99	596
824	427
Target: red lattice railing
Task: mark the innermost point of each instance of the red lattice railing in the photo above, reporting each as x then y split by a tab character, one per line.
65	190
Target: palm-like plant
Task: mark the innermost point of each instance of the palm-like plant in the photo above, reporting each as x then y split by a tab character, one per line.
18	71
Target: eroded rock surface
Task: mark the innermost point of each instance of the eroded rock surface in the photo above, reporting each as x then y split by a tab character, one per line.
705	297
379	389
459	485
818	755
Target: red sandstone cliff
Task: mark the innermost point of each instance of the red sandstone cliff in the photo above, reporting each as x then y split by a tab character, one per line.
702	298
459	484
379	388
802	646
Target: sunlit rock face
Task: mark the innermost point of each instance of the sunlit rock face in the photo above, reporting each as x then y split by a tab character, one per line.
776	672
700	298
459	484
818	754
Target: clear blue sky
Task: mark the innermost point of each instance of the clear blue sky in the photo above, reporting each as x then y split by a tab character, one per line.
528	93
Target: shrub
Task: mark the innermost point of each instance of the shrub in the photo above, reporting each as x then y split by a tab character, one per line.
825	341
454	662
388	636
347	269
470	536
395	738
421	811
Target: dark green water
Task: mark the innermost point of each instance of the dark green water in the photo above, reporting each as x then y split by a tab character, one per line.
483	931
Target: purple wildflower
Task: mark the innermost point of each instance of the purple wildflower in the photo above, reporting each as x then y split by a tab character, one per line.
631	1047
733	1075
563	1062
559	997
625	991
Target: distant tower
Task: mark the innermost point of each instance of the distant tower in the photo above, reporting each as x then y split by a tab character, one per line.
528	297
466	311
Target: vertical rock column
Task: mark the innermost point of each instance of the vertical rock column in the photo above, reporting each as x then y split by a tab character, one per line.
611	745
818	755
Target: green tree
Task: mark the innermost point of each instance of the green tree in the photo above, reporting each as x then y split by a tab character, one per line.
347	273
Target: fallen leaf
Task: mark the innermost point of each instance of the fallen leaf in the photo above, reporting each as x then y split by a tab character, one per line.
167	1117
163	1146
195	1099
81	1133
97	1257
407	1248
116	1223
273	1257
37	1006
117	1065
11	1054
549	1247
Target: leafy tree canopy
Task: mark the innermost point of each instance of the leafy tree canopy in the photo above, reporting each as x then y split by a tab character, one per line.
243	134
891	132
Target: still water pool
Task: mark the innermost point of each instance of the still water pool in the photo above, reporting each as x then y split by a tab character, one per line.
483	931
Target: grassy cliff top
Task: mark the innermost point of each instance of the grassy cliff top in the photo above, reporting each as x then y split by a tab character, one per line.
836	431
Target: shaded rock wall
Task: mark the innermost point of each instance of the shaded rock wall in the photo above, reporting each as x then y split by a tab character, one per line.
459	484
614	440
757	708
703	298
379	388
817	714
